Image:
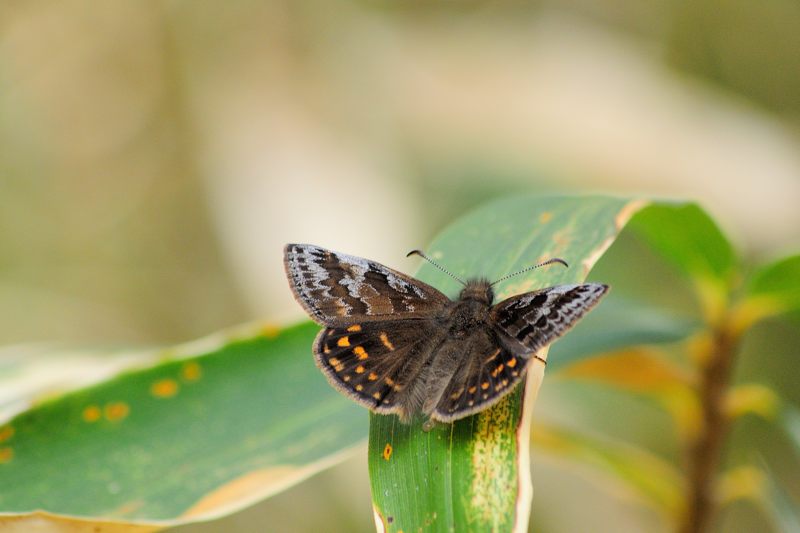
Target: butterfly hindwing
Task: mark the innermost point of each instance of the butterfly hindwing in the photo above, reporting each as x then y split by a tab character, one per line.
485	378
532	320
375	363
336	288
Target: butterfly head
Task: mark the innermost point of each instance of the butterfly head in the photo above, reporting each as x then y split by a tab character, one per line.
479	290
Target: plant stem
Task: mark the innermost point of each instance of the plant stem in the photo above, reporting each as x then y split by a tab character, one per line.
705	452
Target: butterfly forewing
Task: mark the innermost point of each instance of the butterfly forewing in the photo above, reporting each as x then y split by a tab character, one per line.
335	287
375	362
533	320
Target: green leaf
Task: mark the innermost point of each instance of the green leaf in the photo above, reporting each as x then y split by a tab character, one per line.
685	235
473	475
192	438
773	289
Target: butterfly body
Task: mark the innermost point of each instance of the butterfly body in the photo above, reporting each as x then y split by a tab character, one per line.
398	346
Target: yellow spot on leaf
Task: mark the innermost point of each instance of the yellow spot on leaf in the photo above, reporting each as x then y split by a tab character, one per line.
361	353
6	454
387	451
359	369
191	371
92	413
271	331
354	328
545	217
385	341
116	411
344	342
165	388
6	432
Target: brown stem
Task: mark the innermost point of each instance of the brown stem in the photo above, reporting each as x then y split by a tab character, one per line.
704	453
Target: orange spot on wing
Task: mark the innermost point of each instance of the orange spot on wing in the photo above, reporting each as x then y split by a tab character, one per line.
92	413
191	371
385	340
372	376
512	362
165	388
344	342
361	353
354	328
6	454
377	395
387	451
359	369
6	432
497	370
472	389
116	411
359	387
485	385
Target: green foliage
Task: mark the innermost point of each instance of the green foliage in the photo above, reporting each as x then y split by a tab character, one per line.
220	424
186	439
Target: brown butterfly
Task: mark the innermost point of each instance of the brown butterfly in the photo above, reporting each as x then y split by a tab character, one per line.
398	346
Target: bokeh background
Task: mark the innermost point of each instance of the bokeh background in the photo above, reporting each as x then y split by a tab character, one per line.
155	156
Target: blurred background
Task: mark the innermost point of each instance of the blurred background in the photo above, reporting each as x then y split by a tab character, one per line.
155	156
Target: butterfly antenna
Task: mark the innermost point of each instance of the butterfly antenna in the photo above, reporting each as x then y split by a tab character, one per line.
429	260
543	263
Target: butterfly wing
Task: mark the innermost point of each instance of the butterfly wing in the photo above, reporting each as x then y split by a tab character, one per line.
333	288
376	363
521	326
531	321
488	374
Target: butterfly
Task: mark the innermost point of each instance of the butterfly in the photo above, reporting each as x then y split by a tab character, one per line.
398	346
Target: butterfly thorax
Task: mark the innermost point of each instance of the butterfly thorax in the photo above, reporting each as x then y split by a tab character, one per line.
471	310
